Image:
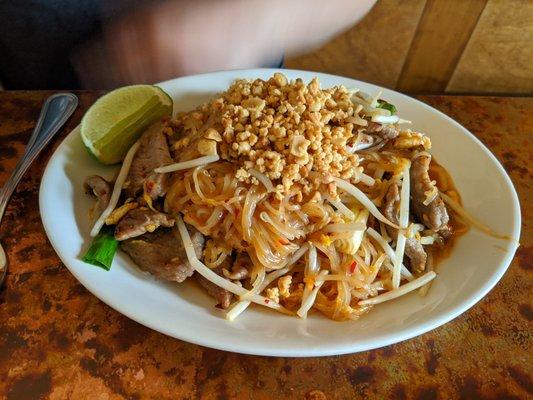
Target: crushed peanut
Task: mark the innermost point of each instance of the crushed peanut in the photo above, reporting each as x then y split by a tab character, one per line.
213	135
207	147
284	285
273	294
293	133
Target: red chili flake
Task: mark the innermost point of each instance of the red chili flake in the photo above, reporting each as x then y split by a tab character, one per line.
353	266
283	241
267	301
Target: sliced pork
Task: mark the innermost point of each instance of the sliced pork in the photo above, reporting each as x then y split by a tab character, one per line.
413	248
433	215
391	205
383	131
162	253
240	269
138	221
100	188
222	296
153	152
416	254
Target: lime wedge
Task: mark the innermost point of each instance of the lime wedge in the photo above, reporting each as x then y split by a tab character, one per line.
115	121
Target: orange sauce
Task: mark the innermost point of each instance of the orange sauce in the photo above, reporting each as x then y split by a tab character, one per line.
445	184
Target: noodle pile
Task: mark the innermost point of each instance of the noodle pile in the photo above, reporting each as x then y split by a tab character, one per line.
311	233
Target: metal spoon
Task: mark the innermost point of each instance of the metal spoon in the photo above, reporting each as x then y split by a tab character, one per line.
55	112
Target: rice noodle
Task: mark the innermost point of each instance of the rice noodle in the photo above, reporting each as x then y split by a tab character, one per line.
197	183
341	207
247	213
216	216
264	251
220	259
290	265
214	277
281	229
267	183
117	188
209	179
187	164
239	307
402	290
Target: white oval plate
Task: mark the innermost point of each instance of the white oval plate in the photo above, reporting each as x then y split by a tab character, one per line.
184	311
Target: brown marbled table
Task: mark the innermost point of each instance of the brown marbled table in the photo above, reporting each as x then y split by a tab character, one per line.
58	341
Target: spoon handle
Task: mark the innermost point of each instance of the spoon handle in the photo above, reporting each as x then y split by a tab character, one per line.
55	112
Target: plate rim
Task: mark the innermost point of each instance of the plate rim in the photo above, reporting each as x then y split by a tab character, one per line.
328	350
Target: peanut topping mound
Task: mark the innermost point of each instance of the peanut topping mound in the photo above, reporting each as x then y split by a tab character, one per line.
292	132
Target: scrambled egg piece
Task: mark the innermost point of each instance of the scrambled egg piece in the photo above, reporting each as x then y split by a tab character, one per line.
408	139
119	212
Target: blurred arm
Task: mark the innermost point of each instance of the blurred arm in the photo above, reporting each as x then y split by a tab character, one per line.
173	38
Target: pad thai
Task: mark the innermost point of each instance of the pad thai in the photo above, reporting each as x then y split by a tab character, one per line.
287	195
